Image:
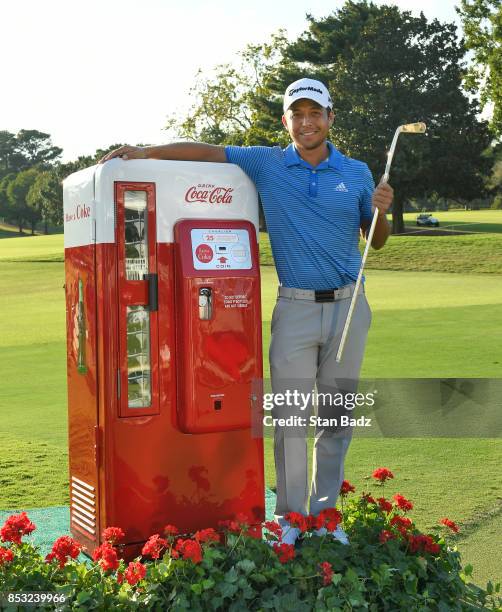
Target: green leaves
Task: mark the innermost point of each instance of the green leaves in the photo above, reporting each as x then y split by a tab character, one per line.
83	597
246	565
482	20
227	589
208	584
231	575
26	149
226	103
382	575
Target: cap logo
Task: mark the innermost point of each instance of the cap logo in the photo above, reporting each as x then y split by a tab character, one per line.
291	92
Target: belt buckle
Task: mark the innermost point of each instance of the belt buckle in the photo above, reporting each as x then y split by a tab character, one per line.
325	295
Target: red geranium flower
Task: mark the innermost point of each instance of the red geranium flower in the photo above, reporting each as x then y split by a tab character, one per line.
329	518
274	528
64	548
189	549
295	519
311	521
346	488
402	502
384	504
254	532
171	530
386	535
6	555
232	526
207	535
453	526
401	521
433	548
113	534
154	546
107	557
15	527
327	572
242	519
368	498
423	542
135	572
382	474
285	552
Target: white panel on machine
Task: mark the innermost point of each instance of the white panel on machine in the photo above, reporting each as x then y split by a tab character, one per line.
184	190
221	249
79	208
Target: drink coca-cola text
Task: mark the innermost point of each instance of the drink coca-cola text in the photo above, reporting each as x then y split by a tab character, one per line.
210	194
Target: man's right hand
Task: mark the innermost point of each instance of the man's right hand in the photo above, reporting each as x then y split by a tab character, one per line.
125	152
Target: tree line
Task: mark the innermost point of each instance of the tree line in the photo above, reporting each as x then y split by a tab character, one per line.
31	176
384	67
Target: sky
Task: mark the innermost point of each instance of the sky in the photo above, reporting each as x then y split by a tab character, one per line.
100	72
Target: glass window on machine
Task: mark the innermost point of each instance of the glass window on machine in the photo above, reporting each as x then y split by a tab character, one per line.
138	357
138	317
136	234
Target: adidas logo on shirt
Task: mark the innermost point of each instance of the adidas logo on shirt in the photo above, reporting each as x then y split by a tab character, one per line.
341	187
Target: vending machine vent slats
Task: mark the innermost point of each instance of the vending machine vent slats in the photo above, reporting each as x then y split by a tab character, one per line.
81	517
82	509
83	528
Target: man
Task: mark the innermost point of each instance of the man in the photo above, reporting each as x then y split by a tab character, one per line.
316	203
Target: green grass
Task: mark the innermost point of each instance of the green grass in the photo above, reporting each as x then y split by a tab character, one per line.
33	473
39	248
476	254
464	220
424	324
33	429
11	231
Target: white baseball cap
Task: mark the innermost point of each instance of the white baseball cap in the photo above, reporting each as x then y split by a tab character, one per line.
307	88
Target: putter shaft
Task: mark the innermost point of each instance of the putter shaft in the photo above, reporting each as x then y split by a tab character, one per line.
410	128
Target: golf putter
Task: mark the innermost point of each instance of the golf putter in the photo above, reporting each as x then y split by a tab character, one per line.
409	128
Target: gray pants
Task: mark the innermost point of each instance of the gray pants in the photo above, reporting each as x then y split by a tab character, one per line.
305	339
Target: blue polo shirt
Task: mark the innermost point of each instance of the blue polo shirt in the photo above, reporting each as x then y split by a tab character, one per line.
313	214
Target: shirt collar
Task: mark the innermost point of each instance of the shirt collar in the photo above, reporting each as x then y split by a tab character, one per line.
335	159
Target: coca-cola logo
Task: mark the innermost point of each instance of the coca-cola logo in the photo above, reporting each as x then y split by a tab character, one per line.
81	211
211	194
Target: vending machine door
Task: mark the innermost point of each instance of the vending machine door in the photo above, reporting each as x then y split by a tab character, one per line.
219	324
137	299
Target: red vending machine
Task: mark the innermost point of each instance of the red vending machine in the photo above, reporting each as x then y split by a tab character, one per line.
163	348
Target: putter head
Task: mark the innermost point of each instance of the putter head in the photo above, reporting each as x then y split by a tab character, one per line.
414	128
